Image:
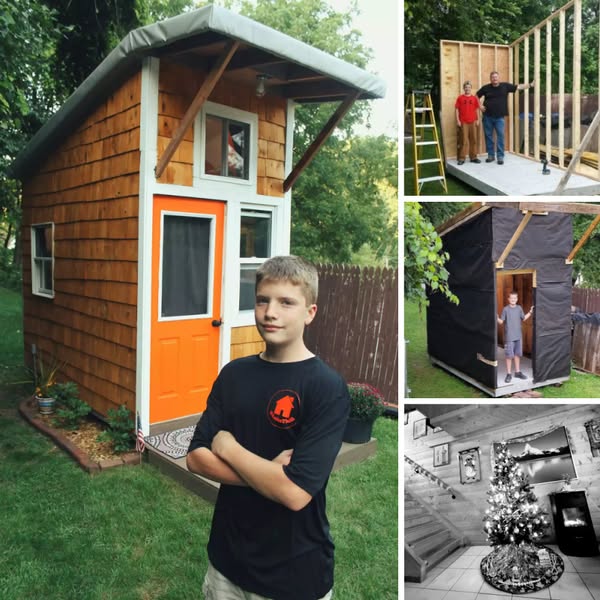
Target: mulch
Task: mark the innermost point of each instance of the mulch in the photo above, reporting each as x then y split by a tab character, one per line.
82	444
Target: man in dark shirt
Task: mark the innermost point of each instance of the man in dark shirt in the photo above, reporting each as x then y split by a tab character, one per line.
494	105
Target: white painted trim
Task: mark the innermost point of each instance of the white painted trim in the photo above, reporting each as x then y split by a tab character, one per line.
148	154
211	266
245	187
285	223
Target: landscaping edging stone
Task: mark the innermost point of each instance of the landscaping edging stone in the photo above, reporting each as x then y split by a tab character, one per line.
28	410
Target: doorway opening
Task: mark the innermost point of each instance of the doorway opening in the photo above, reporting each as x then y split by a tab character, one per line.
522	281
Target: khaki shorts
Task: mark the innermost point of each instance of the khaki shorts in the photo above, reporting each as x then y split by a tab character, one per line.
217	587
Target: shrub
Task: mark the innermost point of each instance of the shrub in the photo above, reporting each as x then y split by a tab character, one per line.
71	410
366	402
120	429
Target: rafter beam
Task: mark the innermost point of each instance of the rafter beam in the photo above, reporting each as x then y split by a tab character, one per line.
203	93
583	240
514	239
310	153
584	208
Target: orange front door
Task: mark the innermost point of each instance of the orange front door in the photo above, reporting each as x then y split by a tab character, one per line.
187	251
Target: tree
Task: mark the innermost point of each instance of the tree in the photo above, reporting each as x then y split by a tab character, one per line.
515	517
586	265
423	258
27	97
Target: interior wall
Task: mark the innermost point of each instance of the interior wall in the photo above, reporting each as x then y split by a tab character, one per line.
461	61
468	509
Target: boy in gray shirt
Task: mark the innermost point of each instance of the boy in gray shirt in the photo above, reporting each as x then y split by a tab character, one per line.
511	317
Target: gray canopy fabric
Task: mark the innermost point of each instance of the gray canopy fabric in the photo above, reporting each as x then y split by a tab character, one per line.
296	70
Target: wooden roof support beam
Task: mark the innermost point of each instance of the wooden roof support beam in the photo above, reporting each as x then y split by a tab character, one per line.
583	208
583	240
562	184
337	116
513	239
203	93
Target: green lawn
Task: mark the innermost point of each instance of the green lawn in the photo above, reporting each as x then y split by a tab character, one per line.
427	381
134	534
456	187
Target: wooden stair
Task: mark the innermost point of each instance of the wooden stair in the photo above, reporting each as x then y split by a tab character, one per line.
427	539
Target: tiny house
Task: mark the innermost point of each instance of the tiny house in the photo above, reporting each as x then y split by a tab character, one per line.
495	248
151	197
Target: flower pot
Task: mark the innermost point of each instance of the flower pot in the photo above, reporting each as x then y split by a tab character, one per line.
357	431
45	405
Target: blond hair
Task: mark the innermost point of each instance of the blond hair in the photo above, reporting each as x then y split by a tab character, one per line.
294	269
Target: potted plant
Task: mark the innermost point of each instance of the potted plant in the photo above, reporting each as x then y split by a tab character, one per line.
46	380
366	404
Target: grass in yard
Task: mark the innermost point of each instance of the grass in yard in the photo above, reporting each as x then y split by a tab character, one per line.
427	381
13	375
455	186
134	534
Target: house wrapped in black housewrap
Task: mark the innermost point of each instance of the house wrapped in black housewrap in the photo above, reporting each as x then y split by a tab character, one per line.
496	248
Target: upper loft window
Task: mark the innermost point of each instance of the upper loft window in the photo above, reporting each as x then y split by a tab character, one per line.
227	148
42	259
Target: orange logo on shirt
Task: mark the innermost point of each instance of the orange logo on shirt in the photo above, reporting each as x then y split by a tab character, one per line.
283	409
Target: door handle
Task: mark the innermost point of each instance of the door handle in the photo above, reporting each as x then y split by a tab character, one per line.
216	323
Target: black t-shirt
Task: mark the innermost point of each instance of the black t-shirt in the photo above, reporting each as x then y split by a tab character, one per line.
257	543
496	98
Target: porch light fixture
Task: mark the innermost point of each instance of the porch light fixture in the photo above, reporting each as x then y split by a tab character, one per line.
260	85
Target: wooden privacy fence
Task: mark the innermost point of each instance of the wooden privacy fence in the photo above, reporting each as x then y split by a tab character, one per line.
356	327
586	300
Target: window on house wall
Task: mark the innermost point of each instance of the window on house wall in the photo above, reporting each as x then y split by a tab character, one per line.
42	259
227	148
255	248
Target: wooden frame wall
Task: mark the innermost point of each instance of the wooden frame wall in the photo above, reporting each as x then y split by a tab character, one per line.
461	60
529	70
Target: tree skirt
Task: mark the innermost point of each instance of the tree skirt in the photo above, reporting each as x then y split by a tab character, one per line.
521	569
172	443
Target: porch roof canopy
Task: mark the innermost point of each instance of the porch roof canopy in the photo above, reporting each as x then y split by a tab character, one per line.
295	70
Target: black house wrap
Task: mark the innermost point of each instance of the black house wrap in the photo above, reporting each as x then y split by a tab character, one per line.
464	338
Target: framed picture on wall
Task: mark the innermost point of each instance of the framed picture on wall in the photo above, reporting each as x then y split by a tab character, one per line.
441	455
469	465
419	428
543	456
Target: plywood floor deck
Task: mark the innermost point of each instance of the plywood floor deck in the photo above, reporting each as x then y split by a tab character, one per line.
518	176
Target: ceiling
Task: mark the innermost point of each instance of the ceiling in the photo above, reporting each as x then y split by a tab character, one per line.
464	419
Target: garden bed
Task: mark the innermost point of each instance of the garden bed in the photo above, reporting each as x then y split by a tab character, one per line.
82	444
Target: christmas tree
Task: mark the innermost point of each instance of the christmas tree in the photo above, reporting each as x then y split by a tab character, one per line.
514	517
515	525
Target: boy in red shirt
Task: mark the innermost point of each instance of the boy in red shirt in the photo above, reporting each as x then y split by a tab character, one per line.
467	119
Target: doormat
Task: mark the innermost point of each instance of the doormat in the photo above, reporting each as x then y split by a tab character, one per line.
522	569
172	443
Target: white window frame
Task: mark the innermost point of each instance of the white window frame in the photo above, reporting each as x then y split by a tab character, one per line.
246	316
37	262
205	181
211	266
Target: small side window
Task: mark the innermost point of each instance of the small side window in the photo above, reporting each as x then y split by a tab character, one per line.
42	259
227	148
255	248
